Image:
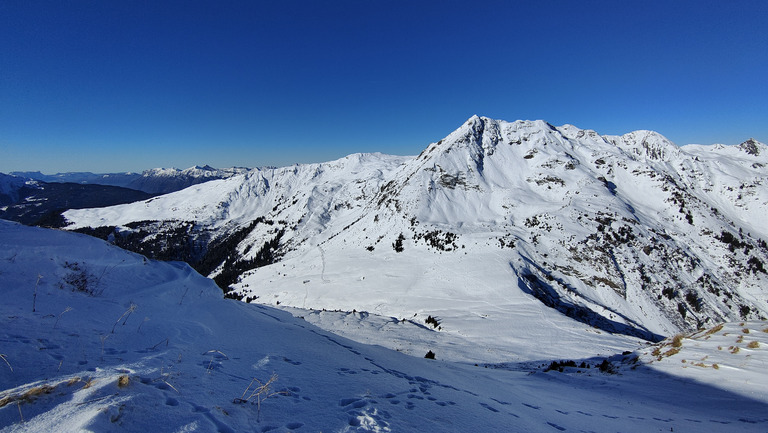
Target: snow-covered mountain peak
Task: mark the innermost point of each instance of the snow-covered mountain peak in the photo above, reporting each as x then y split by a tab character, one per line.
647	145
486	133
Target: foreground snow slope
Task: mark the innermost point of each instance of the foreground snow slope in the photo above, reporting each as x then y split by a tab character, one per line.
120	343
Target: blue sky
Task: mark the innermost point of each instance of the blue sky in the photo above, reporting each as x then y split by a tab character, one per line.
127	85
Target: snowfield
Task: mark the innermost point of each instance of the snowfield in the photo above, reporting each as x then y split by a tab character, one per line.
95	338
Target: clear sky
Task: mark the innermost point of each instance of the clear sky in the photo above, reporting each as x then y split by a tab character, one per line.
108	86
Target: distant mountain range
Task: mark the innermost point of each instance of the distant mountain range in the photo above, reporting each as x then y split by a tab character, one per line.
495	233
154	181
38	199
41	203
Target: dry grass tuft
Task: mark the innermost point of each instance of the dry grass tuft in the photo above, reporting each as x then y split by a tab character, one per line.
5	358
716	367
28	396
753	345
123	381
734	349
37	391
677	340
715	329
670	352
745	330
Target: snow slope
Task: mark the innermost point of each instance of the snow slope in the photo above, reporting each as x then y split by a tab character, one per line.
98	339
507	234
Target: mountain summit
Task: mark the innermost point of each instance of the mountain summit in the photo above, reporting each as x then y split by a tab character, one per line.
511	226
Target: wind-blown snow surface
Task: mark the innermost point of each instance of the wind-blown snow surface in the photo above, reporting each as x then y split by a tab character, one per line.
515	236
185	355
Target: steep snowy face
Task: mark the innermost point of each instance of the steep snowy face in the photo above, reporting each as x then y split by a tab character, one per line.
629	234
477	172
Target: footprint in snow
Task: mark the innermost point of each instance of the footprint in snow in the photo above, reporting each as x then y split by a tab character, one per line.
489	407
556	426
354	402
199	409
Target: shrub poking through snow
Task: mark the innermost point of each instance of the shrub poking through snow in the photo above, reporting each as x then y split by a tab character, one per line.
398	244
606	367
559	365
430	355
260	392
432	321
80	280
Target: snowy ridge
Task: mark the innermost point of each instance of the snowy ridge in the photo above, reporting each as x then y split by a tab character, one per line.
165	180
507	226
99	339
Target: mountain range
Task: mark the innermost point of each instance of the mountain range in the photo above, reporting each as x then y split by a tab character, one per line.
38	199
495	235
153	181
